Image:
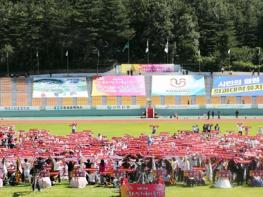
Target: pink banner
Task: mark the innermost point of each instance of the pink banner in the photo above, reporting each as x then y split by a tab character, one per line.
118	86
146	68
141	190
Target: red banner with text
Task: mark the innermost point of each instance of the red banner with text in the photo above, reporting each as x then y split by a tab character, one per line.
141	190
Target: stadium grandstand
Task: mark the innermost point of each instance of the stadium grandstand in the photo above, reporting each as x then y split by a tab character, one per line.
121	89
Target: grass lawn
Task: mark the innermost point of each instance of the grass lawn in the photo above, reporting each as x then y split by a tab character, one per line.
135	129
63	190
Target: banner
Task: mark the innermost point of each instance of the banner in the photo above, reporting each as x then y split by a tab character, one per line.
177	106
60	87
143	190
117	107
237	86
67	107
181	85
19	108
146	68
118	86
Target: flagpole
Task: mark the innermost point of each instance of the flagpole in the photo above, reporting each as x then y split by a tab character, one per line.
7	63
259	60
98	61
37	63
128	51
229	60
67	61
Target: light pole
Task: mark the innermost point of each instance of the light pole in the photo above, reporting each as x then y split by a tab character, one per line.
7	63
98	61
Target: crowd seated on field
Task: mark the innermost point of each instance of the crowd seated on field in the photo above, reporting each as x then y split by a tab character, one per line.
81	158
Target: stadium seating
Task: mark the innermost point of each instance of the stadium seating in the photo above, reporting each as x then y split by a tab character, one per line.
141	100
231	100
96	100
156	100
67	101
170	100
200	100
82	101
246	100
259	99
186	100
18	92
216	100
6	91
111	100
21	92
126	100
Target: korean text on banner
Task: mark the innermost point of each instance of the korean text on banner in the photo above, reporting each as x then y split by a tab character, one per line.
140	190
237	86
118	86
60	87
178	85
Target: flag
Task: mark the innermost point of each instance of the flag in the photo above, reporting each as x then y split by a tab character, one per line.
147	47
166	50
126	46
199	53
228	51
66	53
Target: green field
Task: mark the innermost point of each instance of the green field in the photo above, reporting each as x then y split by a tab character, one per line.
135	129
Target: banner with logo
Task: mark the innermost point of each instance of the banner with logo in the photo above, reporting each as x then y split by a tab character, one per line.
60	87
143	190
237	86
149	68
178	85
118	86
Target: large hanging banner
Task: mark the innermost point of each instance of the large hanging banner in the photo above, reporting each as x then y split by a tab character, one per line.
237	86
60	87
118	86
143	190
149	68
178	85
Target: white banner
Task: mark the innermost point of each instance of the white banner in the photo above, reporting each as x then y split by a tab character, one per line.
69	107
117	107
229	106
19	108
177	106
60	87
183	85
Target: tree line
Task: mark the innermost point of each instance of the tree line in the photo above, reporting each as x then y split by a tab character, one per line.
212	33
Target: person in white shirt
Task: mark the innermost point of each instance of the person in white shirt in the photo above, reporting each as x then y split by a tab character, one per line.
27	166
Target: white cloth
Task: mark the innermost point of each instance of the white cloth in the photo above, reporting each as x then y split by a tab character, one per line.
27	167
44	182
223	183
78	182
92	177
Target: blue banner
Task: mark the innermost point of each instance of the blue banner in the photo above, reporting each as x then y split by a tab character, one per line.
237	86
